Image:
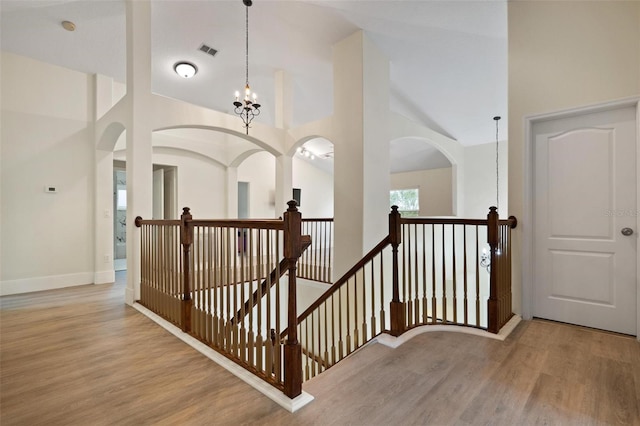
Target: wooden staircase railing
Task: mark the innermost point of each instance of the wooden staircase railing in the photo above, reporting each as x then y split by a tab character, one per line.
316	263
220	281
426	271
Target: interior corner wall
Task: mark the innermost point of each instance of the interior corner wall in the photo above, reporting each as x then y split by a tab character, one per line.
434	189
316	187
46	141
480	180
563	55
260	171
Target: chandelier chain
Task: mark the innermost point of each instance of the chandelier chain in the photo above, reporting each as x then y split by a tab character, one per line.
246	54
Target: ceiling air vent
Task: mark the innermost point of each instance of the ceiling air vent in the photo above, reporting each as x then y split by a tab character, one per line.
208	50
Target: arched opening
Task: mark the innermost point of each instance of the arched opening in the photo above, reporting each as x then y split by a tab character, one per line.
423	179
312	177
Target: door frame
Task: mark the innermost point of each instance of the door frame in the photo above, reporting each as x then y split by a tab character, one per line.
528	232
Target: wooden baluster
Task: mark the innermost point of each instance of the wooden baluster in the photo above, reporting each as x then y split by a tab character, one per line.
330	268
373	300
434	301
454	274
252	274
397	310
333	330
340	341
186	238
260	274
464	249
210	282
424	276
383	319
326	334
364	302
444	279
226	321
492	303
348	307
356	338
477	278
406	277
292	350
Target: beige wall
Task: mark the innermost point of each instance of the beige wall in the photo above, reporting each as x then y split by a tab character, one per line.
434	189
564	54
46	140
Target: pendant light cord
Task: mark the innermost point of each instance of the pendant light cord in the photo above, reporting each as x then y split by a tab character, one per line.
497	118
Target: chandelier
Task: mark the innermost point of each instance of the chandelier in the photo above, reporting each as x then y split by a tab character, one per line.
247	108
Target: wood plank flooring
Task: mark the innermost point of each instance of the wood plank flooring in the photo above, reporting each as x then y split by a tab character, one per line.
80	356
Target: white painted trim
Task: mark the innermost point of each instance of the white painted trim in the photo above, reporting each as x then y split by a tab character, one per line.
51	282
638	218
104	277
394	342
292	405
527	222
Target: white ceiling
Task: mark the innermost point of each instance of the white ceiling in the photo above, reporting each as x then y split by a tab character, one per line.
448	58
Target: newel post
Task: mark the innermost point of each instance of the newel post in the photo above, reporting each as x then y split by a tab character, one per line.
186	239
292	347
398	323
492	240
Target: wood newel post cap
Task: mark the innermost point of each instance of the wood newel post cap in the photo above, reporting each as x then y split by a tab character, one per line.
293	206
493	209
138	221
186	211
394	209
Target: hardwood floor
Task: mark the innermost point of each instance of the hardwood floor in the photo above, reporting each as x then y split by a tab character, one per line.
80	356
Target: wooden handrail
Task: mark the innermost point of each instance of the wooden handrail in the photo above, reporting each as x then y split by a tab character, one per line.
140	221
320	219
372	253
241	223
276	274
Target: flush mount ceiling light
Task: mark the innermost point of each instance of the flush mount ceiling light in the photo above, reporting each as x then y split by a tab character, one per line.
185	69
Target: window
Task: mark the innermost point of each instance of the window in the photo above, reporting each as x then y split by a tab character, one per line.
121	203
407	201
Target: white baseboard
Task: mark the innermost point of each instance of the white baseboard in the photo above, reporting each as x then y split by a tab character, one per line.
394	342
51	282
104	277
292	405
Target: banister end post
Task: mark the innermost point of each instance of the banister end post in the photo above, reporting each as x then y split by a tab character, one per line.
293	206
138	221
395	230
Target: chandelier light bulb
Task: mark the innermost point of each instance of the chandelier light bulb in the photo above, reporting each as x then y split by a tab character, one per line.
237	95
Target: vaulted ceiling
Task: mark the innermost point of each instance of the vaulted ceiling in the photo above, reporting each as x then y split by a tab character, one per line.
448	59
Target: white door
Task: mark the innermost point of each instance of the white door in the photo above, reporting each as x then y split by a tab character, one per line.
584	197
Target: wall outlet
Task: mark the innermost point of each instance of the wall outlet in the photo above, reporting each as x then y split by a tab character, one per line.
106	258
50	189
